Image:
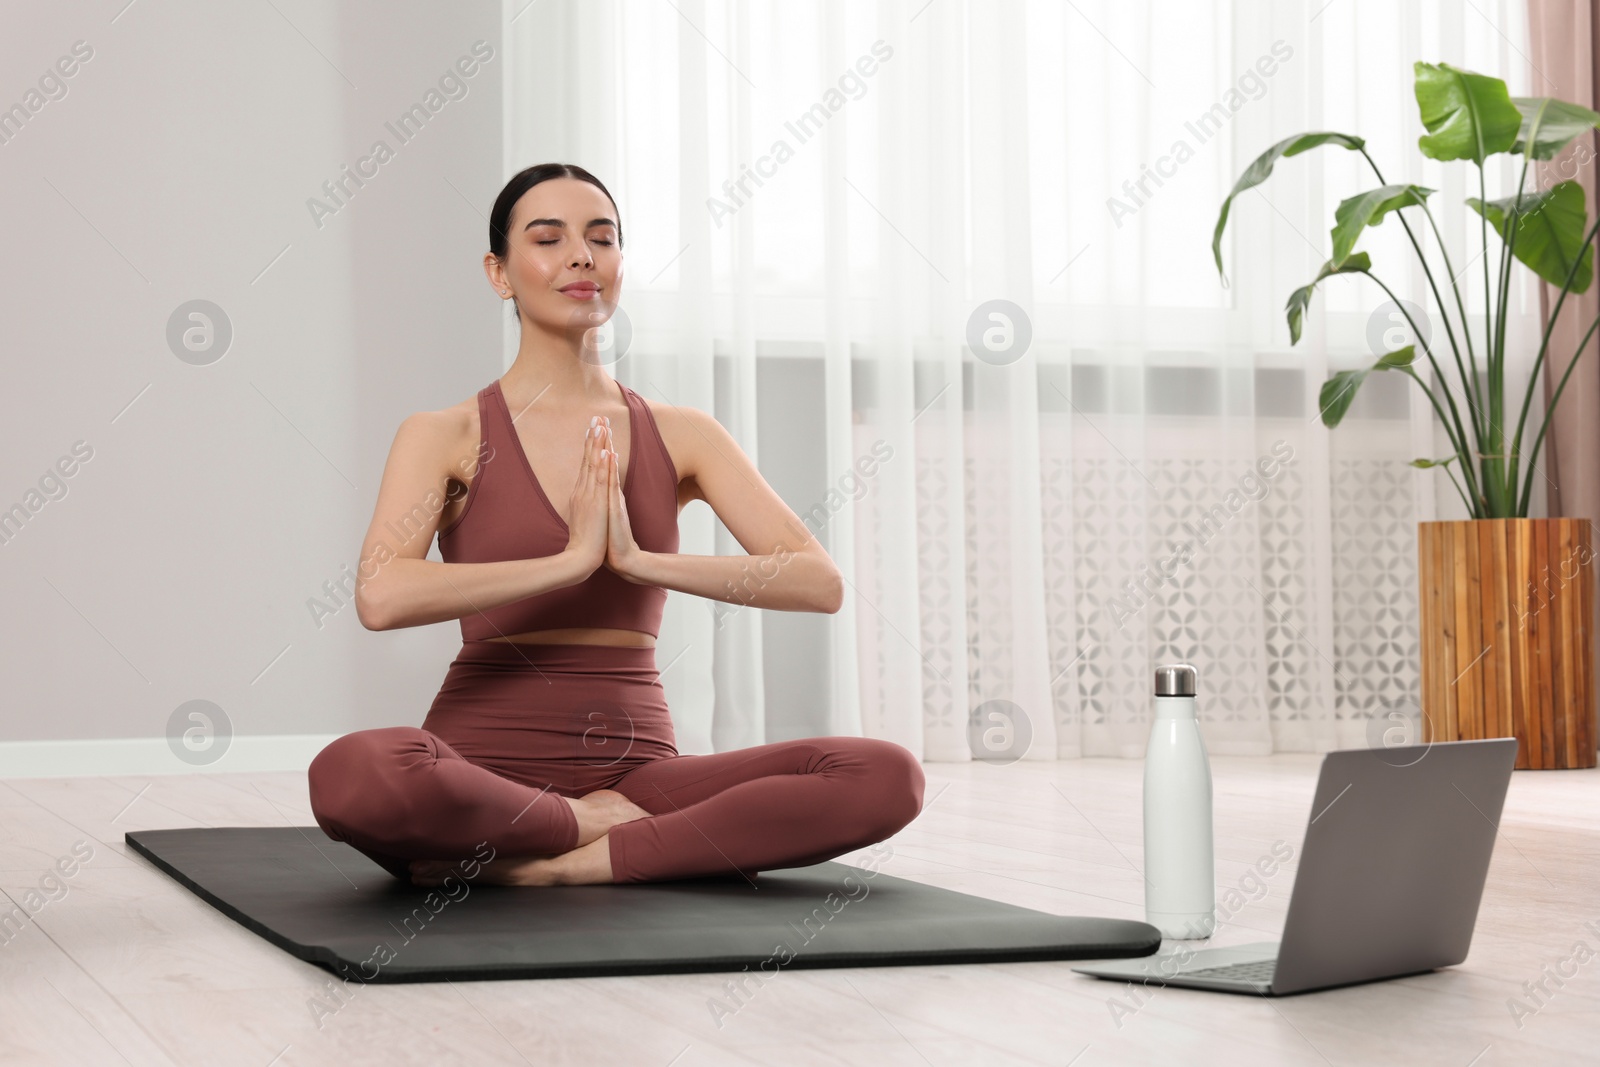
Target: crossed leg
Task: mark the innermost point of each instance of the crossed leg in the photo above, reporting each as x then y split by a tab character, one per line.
400	794
785	804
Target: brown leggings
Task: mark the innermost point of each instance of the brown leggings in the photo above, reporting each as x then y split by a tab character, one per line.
515	728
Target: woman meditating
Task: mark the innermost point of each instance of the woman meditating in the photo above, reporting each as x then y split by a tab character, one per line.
550	740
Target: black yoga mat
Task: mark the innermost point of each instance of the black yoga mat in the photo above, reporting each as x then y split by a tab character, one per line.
326	903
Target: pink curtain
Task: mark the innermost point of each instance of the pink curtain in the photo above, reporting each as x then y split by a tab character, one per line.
1563	51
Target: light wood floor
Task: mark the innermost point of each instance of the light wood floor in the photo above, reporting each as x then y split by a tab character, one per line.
127	967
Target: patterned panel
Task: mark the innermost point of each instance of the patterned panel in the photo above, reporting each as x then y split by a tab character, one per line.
1107	546
1292	682
988	584
941	677
1374	588
1061	601
1209	612
1245	608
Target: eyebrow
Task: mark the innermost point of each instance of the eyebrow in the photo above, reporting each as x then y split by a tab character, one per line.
561	225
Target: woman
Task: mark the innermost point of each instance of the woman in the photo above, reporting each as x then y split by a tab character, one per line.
550	741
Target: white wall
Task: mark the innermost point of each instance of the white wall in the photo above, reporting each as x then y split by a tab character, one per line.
178	563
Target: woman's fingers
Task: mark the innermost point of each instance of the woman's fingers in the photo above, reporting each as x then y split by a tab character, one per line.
599	460
587	525
606	455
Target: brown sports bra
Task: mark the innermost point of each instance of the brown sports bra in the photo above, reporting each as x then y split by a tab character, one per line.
508	516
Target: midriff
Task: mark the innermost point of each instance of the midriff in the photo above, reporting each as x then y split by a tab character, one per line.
582	635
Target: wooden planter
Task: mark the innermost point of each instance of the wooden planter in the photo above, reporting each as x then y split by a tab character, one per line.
1505	636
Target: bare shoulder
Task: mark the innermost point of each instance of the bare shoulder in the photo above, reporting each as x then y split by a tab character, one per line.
445	441
688	434
446	425
681	427
431	457
454	422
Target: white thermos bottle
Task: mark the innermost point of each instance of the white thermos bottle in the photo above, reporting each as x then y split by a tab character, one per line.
1180	895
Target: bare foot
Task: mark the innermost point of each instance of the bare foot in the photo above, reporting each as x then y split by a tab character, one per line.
600	810
588	864
589	861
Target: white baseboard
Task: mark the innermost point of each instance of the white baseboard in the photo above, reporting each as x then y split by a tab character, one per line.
153	755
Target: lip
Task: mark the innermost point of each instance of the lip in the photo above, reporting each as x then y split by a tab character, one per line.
576	287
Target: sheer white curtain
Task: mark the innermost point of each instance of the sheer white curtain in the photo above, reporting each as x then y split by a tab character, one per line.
944	270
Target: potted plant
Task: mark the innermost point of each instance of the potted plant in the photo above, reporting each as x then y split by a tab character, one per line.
1506	600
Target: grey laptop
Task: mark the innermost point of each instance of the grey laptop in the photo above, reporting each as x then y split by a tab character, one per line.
1390	876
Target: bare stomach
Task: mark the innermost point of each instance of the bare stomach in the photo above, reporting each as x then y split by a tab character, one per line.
582	635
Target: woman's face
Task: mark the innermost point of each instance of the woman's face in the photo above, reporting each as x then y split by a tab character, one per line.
563	264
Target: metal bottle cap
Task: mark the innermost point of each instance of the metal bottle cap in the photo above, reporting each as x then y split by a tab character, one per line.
1175	680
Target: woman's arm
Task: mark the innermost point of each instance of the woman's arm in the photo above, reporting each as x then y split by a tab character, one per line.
787	569
396	586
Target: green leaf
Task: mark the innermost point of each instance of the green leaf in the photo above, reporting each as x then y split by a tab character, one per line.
1425	464
1261	170
1559	124
1368	209
1399	359
1339	391
1550	230
1300	299
1467	115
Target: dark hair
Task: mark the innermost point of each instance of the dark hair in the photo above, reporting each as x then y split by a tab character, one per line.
500	217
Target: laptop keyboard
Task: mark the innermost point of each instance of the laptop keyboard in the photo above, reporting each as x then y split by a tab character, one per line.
1255	971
